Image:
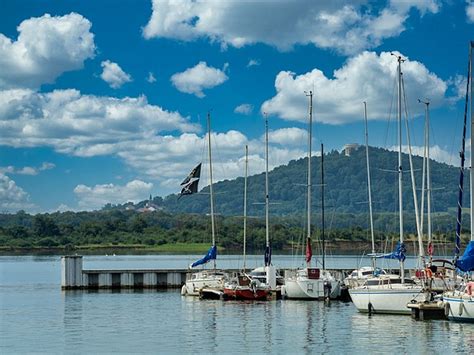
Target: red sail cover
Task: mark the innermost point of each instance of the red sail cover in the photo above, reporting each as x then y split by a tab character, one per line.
309	252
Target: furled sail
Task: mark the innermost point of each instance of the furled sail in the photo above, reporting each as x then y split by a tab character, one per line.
190	184
398	253
466	262
211	255
309	251
268	256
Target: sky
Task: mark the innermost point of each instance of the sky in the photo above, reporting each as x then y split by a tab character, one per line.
106	101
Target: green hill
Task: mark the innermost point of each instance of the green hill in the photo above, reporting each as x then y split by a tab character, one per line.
345	187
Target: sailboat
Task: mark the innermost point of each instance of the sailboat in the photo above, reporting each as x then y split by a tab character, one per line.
268	273
439	275
386	294
359	276
459	304
311	282
212	279
243	287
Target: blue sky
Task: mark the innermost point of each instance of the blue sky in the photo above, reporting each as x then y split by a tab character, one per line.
105	101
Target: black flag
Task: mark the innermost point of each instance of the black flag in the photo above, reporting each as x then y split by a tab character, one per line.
190	184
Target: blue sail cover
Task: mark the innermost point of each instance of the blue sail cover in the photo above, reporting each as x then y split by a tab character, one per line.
398	254
211	255
466	262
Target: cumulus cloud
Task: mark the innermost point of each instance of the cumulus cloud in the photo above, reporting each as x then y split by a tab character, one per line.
437	153
113	75
194	80
82	125
46	47
12	197
288	136
470	11
345	27
27	170
151	78
95	197
244	109
365	77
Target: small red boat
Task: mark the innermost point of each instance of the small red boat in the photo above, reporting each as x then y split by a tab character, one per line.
242	288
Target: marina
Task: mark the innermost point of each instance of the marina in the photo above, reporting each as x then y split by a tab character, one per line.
150	320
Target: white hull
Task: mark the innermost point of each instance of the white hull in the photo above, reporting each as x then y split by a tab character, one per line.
309	289
300	286
459	306
204	279
386	298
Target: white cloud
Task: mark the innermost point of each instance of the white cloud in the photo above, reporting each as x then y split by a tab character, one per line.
288	136
194	80
82	125
27	170
345	27
436	153
365	77
470	11
253	62
151	78
113	75
46	47
91	198
12	197
244	109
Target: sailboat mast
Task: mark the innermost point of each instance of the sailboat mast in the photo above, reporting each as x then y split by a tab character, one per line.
267	235
400	171
213	228
472	155
371	218
245	204
310	138
428	175
322	208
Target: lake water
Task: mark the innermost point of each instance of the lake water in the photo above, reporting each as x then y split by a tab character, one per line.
36	316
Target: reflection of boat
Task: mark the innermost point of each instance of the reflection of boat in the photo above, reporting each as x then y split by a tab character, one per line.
242	287
213	279
309	282
387	294
459	304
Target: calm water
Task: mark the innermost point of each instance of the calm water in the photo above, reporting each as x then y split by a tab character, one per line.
36	316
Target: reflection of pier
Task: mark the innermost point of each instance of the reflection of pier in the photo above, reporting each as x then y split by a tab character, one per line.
73	276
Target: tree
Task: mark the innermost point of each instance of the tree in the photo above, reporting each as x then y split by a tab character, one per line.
44	226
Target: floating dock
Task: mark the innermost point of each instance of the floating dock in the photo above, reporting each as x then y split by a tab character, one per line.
427	310
74	277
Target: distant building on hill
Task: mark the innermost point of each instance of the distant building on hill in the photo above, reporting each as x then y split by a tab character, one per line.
350	148
149	206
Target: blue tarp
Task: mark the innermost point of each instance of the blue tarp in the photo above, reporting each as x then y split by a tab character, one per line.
466	262
398	254
211	255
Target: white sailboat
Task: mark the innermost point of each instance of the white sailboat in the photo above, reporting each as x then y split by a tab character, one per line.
311	282
459	304
387	294
213	279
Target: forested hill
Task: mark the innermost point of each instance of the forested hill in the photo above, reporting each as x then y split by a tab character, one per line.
345	187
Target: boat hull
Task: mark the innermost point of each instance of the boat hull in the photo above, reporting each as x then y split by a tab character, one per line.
200	280
246	293
385	300
309	289
459	307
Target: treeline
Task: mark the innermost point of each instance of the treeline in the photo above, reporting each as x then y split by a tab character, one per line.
115	227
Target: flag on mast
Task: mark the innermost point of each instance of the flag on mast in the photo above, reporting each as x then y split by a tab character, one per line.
190	184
